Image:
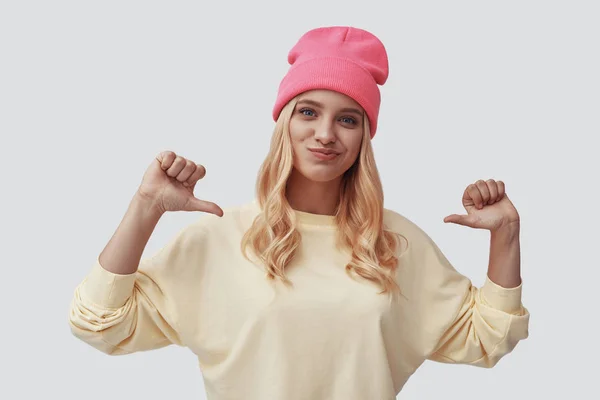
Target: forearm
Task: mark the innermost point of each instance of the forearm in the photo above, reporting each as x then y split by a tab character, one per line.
505	256
124	250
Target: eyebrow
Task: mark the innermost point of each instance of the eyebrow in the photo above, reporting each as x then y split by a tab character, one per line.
319	105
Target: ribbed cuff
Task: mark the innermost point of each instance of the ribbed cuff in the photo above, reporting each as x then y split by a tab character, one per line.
501	298
107	289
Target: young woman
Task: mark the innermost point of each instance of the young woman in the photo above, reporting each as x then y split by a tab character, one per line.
314	290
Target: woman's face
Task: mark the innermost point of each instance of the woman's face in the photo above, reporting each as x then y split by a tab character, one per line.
326	131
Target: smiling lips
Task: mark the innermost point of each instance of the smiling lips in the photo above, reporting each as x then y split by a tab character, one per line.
324	154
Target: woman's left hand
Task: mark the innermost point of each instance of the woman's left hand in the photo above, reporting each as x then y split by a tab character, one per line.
488	207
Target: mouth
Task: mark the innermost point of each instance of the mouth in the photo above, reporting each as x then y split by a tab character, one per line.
324	154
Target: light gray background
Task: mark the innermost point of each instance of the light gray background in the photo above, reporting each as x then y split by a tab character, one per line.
91	91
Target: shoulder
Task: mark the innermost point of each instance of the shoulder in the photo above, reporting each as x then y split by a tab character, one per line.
426	270
397	222
401	224
411	234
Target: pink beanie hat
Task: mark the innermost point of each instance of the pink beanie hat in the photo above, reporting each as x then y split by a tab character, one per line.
347	60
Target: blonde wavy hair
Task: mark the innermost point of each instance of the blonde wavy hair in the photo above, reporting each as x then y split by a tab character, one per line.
274	239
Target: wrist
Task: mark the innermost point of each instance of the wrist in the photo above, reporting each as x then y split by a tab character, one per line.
509	230
504	267
146	205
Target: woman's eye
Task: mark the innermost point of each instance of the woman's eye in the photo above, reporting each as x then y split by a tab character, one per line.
307	112
348	120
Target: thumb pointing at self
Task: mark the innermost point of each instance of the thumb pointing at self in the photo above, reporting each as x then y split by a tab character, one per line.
465	220
195	204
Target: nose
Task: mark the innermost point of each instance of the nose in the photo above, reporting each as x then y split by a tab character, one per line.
325	133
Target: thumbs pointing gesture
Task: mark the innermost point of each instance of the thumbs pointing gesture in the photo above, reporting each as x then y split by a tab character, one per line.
487	205
169	183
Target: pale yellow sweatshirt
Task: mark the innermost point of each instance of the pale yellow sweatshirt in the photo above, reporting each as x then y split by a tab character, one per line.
330	337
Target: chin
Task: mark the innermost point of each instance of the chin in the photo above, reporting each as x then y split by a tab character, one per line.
321	175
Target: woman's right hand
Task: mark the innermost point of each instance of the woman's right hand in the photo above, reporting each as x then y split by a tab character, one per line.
169	182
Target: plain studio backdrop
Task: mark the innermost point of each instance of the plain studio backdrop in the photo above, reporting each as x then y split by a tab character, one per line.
90	92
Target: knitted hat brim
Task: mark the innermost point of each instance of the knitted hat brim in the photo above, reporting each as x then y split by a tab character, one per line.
331	73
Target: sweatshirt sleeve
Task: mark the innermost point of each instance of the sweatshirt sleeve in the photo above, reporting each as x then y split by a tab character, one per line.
121	314
458	322
488	324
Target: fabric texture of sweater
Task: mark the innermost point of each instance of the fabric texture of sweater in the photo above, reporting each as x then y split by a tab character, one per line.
329	337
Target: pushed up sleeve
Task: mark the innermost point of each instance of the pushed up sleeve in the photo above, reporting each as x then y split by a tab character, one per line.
488	324
457	321
120	314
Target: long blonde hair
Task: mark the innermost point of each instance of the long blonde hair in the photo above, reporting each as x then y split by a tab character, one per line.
274	239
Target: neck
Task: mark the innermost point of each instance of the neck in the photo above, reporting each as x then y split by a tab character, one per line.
313	197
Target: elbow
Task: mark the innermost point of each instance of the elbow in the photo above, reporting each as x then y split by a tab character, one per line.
480	359
504	349
498	336
91	329
500	351
93	339
489	361
480	349
481	336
